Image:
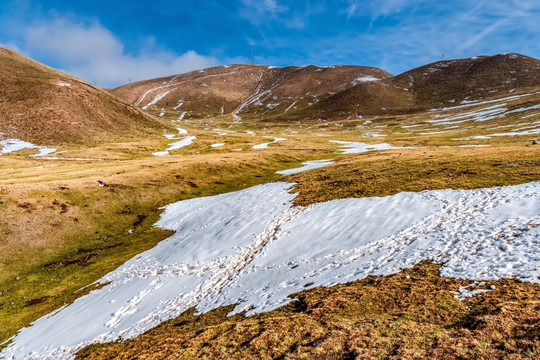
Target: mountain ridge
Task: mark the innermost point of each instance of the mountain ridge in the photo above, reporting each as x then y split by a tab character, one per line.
314	93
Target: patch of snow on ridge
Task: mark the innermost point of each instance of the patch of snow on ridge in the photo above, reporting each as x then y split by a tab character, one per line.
253	248
367	78
11	145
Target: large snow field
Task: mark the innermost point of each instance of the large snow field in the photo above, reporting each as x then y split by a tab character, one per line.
254	249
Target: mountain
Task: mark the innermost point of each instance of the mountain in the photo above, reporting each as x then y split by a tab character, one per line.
312	92
42	105
245	91
446	82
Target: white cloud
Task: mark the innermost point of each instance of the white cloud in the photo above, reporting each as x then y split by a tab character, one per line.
95	54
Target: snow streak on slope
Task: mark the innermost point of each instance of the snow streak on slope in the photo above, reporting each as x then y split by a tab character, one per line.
253	249
265	145
156	99
306	165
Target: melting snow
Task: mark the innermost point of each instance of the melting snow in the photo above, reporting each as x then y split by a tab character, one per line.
221	132
468	291
265	145
253	248
182	116
176	145
290	106
11	145
358	147
217	145
156	99
180	103
367	78
307	165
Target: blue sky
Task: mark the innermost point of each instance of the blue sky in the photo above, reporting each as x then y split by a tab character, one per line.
112	42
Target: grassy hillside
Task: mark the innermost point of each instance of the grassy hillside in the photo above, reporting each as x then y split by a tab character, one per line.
47	107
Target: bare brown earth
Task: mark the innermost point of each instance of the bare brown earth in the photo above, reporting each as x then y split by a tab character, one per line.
446	83
265	91
47	107
409	315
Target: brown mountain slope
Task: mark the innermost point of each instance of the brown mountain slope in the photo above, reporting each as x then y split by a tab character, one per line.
198	93
45	106
364	99
243	90
453	81
256	92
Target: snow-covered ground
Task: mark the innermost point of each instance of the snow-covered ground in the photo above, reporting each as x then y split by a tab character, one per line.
10	145
307	165
253	248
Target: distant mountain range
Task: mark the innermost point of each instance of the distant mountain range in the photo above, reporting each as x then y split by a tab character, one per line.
312	92
40	104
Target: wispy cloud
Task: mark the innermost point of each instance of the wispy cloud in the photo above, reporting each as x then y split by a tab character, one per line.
261	11
95	54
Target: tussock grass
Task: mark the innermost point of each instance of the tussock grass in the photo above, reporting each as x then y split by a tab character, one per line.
389	172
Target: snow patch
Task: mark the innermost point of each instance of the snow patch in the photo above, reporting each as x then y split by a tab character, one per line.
180	103
307	165
265	145
348	147
176	145
364	79
11	145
